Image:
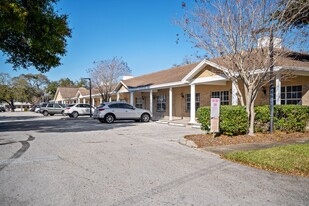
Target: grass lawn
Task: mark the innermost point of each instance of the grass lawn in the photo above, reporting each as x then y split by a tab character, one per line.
291	159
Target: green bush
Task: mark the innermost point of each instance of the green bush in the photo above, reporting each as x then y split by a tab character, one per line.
233	119
287	118
203	116
262	118
291	118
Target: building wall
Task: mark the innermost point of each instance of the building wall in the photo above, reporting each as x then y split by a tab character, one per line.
179	95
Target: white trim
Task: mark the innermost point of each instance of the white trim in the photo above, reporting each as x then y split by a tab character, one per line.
192	104
118	87
170	103
234	94
132	98
209	79
278	89
200	66
159	86
151	101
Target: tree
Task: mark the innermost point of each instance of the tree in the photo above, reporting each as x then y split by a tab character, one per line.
66	82
236	34
82	83
293	13
52	88
6	92
24	88
105	75
32	33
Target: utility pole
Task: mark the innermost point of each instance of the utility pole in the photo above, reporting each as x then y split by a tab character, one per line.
271	82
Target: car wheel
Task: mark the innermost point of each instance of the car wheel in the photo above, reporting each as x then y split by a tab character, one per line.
45	113
62	113
75	114
52	114
145	118
102	120
109	118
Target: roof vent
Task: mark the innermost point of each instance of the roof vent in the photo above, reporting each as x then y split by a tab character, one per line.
264	42
127	77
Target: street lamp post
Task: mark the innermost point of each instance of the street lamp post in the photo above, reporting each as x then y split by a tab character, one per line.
90	95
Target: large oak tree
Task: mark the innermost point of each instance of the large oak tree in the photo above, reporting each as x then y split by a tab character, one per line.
32	33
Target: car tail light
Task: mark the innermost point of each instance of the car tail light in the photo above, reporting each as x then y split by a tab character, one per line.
101	109
68	108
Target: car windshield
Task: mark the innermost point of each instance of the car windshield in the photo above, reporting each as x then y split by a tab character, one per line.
70	105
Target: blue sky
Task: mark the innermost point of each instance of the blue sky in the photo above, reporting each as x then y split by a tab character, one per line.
142	32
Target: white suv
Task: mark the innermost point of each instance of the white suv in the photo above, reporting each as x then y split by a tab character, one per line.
111	111
75	110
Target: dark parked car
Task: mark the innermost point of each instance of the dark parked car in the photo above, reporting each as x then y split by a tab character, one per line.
2	109
51	109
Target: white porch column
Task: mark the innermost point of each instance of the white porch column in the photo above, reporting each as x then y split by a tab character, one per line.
84	101
101	100
150	101
78	100
234	94
110	99
192	104
92	101
171	104
131	98
118	96
278	89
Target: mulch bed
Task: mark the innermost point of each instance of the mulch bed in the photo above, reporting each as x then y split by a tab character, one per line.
205	140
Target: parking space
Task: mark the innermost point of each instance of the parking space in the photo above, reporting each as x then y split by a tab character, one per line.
63	161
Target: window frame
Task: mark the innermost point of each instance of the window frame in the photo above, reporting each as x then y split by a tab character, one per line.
197	101
285	100
161	103
221	95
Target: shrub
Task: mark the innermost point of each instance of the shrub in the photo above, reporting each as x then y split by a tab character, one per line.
287	118
233	119
291	118
262	118
203	116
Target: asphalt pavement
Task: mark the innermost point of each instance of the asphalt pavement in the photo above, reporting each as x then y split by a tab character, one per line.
62	161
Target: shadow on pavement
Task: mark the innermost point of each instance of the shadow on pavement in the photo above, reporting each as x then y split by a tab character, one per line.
62	125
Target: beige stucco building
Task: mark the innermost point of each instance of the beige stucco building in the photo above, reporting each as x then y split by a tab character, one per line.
179	91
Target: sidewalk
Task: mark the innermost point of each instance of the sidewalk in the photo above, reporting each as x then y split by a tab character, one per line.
253	146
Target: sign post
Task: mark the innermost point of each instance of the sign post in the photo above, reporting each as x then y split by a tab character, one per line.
214	115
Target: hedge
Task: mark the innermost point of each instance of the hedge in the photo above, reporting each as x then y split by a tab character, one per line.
233	119
287	118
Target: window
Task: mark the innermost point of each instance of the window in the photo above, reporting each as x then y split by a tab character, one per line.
188	101
50	105
291	94
113	106
161	103
223	95
139	103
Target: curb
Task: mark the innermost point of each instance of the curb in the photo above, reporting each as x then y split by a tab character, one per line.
176	124
161	122
187	142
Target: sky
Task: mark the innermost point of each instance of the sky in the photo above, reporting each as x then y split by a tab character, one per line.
141	32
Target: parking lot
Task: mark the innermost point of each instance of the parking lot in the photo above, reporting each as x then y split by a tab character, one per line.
64	161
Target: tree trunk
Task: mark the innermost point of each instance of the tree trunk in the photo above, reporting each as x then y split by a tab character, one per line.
252	117
12	105
250	110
